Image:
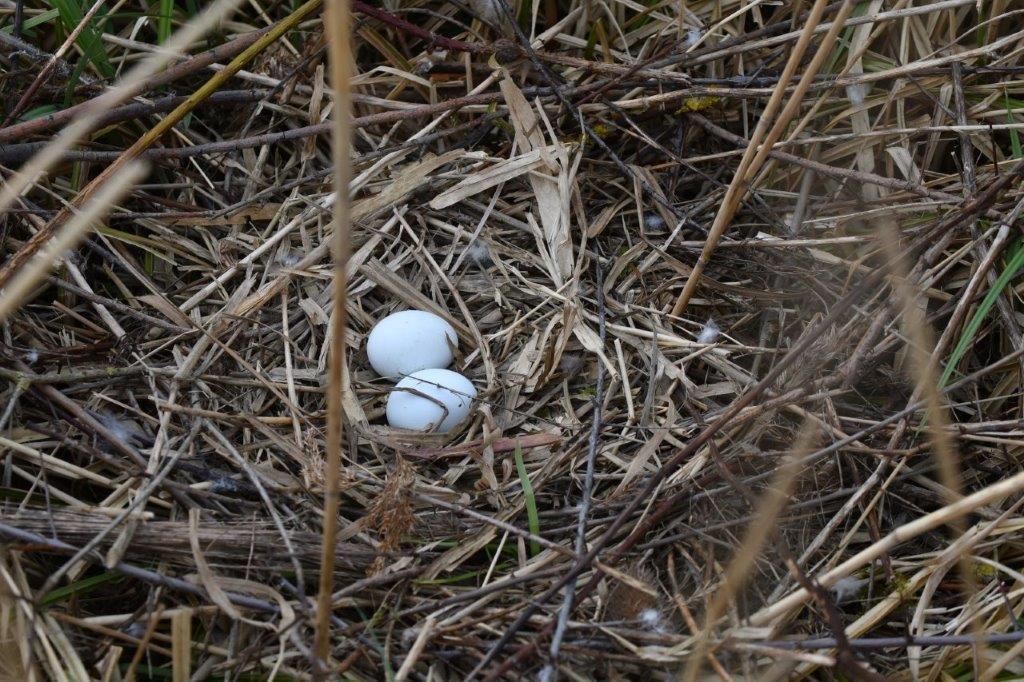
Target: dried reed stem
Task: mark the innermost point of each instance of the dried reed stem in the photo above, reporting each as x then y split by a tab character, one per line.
340	51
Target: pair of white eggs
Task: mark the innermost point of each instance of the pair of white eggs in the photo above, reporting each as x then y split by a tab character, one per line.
416	347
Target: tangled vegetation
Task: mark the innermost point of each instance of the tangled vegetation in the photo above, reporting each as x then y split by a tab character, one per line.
736	282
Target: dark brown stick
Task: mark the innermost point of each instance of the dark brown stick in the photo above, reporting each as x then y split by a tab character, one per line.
413	29
20	131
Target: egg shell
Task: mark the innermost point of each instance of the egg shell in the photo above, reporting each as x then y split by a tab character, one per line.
408	341
411	411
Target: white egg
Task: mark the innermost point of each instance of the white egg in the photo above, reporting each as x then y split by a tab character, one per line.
409	341
420	409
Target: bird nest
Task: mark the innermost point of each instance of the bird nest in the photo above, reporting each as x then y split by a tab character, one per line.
736	283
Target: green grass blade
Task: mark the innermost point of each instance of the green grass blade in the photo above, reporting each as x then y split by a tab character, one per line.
29	24
525	15
38	112
1014	135
85	585
89	39
74	80
588	51
163	25
843	41
1015	263
531	501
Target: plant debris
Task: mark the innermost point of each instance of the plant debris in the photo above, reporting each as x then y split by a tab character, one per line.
736	283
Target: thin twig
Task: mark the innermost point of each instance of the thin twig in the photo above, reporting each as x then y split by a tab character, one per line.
588	481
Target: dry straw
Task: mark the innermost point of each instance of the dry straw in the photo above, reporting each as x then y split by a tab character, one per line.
675	240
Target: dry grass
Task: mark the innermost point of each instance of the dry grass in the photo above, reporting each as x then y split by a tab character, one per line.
737	283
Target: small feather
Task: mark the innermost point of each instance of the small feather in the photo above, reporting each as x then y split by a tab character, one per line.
709	333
